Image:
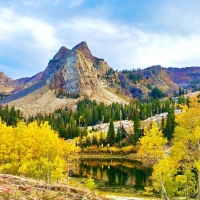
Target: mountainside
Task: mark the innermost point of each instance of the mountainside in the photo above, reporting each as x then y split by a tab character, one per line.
75	74
6	84
184	77
140	82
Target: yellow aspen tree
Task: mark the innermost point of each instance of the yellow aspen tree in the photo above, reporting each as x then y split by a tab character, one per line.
186	146
6	147
35	151
151	150
151	144
163	177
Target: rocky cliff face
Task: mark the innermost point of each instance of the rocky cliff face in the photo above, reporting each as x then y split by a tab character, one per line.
75	71
138	83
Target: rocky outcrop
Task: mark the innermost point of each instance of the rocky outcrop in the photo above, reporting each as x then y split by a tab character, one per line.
23	83
6	84
62	51
75	71
5	81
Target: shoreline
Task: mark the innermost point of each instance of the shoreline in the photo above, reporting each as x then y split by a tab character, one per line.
109	156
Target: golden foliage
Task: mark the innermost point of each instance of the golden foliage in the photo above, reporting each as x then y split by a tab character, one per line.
151	145
34	151
179	172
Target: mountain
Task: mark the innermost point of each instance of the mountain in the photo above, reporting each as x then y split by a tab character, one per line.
184	77
6	84
10	86
72	75
140	82
75	71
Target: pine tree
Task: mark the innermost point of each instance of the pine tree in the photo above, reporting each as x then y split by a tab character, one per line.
163	126
137	128
170	124
119	136
111	133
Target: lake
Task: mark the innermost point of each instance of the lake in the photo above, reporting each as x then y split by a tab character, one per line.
113	173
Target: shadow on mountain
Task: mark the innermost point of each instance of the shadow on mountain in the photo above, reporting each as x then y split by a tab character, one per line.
23	93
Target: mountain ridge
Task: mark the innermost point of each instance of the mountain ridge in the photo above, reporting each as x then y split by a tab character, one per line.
77	72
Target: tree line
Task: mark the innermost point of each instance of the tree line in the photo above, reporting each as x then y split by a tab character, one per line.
70	124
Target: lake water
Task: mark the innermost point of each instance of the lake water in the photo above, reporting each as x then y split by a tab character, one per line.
115	172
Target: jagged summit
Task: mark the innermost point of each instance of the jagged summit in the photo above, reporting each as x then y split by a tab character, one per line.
62	51
83	47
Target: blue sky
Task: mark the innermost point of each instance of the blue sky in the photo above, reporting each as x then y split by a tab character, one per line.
126	33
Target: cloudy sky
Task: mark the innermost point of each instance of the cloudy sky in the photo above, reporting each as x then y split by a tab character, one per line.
126	33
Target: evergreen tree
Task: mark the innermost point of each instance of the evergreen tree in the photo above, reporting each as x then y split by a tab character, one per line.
137	128
111	133
181	91
88	141
94	140
63	133
101	139
81	139
170	124
163	126
121	133
85	130
118	136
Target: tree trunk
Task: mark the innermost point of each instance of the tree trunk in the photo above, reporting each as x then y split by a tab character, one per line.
164	193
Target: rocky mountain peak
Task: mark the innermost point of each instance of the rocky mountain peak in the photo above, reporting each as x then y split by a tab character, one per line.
83	47
62	51
4	80
2	74
75	71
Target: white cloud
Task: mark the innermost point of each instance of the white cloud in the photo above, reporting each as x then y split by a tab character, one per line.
13	25
128	47
30	42
25	42
42	33
180	16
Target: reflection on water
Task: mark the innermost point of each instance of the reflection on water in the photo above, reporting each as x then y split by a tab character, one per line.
116	172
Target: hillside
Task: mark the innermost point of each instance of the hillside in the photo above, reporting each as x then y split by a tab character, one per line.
184	77
44	101
15	187
140	82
